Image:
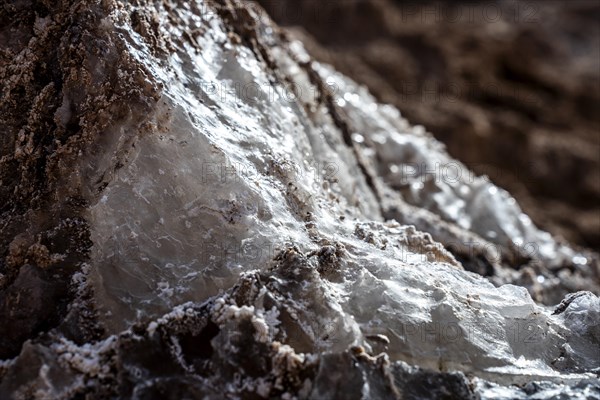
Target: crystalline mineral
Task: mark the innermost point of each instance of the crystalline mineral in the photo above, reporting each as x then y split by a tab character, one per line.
219	215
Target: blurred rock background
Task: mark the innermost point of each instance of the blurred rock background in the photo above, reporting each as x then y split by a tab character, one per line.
511	87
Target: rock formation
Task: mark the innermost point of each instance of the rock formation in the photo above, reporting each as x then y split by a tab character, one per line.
510	86
192	207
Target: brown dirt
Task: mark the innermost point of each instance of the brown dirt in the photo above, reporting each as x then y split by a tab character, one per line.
58	98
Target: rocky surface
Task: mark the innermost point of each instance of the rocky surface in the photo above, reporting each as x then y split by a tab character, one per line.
192	207
511	87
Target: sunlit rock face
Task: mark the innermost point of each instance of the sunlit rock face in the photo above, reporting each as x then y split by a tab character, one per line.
260	227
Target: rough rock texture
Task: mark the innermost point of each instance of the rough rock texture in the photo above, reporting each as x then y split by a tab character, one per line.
512	87
194	208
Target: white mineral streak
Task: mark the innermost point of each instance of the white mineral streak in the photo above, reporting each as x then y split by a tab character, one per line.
228	180
409	159
240	166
